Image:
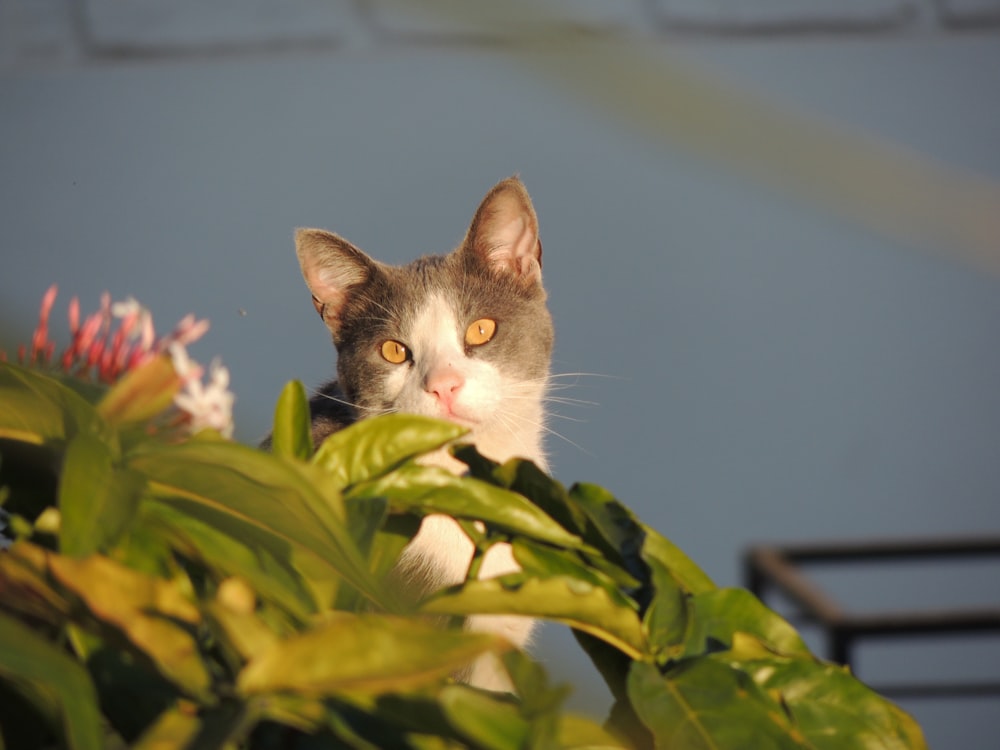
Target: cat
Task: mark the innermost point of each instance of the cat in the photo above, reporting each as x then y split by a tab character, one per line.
465	336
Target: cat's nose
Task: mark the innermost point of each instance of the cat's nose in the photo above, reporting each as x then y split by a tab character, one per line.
444	383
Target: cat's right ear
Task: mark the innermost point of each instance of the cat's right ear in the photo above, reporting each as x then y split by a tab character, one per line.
331	266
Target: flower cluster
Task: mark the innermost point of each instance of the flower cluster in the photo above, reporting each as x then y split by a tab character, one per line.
120	338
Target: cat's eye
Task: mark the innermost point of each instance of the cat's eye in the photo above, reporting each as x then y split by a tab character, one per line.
480	332
394	352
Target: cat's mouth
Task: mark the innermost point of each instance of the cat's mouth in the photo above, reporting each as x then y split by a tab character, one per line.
457	417
460	420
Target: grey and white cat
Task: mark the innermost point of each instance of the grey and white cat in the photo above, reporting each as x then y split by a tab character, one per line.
464	336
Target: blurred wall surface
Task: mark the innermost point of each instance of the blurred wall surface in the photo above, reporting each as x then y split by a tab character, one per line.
753	363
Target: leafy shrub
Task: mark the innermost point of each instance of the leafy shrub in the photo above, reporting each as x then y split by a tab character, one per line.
166	591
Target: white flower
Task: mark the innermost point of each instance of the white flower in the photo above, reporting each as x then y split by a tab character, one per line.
138	320
209	406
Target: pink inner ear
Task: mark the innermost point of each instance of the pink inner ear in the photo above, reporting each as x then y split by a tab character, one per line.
513	241
528	267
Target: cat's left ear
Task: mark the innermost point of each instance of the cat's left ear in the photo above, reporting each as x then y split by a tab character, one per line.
504	232
332	268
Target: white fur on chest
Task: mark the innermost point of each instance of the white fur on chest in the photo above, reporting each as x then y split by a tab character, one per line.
505	419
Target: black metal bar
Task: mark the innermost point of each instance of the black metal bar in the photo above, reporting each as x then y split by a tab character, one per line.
770	563
841	640
889	549
938	689
777	566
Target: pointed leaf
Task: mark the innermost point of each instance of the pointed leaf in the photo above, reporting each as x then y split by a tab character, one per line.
482	720
38	408
232	487
525	478
665	620
434	490
245	633
545	562
142	393
371	447
364	653
833	709
52	681
681	568
291	436
271	572
622	537
175	729
579	732
97	502
714	617
184	727
706	705
576	603
24	588
136	608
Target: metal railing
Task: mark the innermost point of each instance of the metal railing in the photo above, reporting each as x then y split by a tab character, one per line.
781	568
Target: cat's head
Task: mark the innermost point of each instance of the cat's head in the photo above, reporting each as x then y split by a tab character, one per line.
464	336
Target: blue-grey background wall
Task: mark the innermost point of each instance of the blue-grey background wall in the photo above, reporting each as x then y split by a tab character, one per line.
760	369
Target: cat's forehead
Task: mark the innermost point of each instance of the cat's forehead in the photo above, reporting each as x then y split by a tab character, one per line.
434	324
409	287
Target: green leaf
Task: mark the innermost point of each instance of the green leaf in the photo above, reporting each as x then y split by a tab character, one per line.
371	447
525	478
576	603
665	620
233	488
389	542
531	684
834	710
181	728
611	527
175	729
546	562
292	436
681	568
97	502
39	409
617	532
581	733
707	705
142	393
364	520
482	720
270	571
363	653
540	703
149	615
430	489
52	681
24	587
714	617
244	633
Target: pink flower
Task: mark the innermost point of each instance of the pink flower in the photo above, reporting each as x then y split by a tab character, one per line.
98	349
120	338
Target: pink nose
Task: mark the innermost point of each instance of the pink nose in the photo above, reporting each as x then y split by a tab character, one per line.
444	383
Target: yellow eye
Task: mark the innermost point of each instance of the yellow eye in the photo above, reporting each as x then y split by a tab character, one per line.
393	351
480	332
